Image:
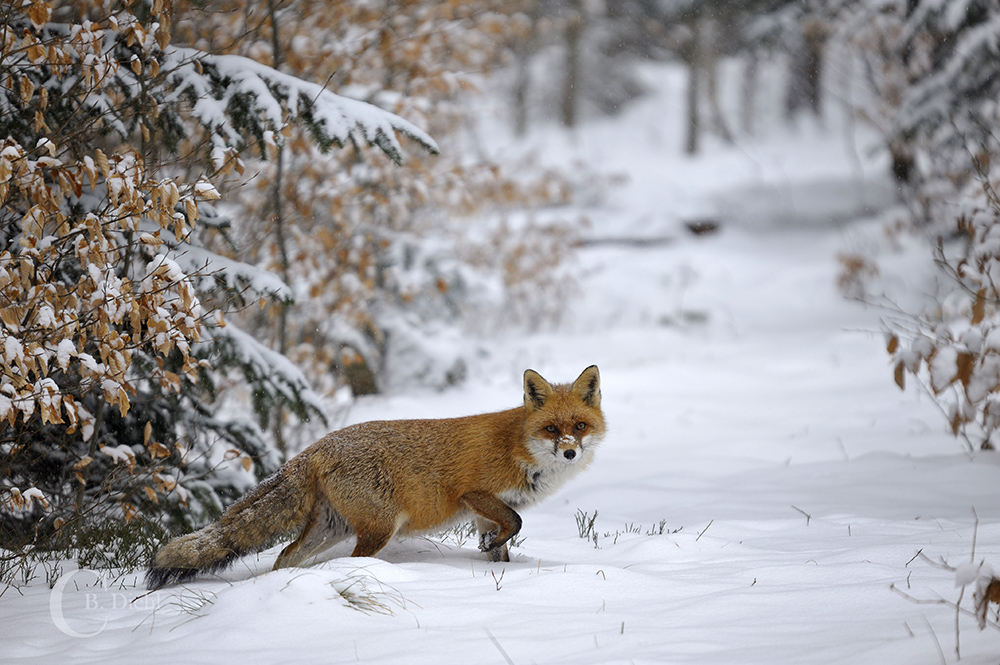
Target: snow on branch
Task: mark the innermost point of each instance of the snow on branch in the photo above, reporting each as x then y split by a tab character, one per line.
233	96
965	75
280	376
235	275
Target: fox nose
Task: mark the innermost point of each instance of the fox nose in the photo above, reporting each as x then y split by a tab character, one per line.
569	454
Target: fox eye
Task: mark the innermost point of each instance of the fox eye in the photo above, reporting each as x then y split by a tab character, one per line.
581	426
552	429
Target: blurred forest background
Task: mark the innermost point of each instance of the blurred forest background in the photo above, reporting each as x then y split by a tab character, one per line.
205	246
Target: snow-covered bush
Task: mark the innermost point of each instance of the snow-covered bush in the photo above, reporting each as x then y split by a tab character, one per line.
954	347
114	344
934	92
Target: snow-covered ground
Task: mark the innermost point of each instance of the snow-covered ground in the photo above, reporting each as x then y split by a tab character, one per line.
763	484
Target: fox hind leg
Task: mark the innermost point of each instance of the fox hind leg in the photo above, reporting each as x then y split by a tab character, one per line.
372	537
324	529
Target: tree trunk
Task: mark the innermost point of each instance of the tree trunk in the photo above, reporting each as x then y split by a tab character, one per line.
903	161
690	53
277	210
521	84
710	56
748	92
522	81
805	72
571	84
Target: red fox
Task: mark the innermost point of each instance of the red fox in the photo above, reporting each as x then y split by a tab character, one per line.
379	479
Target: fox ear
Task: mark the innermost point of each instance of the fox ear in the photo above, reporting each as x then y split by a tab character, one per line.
588	386
536	389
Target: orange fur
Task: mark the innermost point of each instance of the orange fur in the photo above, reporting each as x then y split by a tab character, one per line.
380	479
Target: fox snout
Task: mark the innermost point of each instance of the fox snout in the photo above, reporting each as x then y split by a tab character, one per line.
568	448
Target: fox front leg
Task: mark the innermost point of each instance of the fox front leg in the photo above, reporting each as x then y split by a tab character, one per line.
488	532
492	512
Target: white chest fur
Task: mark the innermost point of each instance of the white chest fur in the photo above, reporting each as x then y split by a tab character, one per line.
548	473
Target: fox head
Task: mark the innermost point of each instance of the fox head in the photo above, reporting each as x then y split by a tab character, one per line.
564	422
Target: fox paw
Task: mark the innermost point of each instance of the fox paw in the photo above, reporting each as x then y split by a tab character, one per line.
488	540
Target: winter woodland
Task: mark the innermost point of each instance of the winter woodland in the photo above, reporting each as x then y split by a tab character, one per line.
229	227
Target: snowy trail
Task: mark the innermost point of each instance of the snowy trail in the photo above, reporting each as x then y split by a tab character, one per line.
767	429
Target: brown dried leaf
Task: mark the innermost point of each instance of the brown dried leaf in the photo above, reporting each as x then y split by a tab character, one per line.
191	209
172	381
41	126
956	422
163	34
893	344
37	52
27	90
991	594
979	307
965	364
165	484
40	12
102	163
899	376
16	499
119	397
157	449
993	591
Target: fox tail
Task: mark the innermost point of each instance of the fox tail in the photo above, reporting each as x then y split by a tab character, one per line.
274	508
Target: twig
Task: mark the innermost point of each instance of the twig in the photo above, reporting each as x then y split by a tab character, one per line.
939	601
704	530
937	643
958	614
942	564
808	516
975	534
961	594
498	580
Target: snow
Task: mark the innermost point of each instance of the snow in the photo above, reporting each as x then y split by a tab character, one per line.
120	453
13	350
971	572
762	485
281	376
337	117
236	275
34	494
